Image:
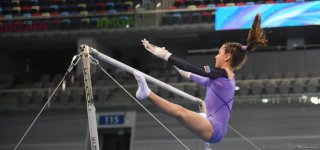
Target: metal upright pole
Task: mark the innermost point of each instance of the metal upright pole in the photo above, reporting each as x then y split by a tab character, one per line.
89	98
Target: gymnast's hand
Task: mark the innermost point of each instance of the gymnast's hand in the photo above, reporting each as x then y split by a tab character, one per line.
155	50
183	73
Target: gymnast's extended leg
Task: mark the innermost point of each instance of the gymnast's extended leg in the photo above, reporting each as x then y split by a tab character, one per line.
190	119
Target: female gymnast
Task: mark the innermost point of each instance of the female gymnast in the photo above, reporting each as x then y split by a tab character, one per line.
218	80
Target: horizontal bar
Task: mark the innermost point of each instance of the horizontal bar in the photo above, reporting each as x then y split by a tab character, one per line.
153	80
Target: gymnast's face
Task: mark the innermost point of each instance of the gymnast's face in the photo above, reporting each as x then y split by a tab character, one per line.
222	57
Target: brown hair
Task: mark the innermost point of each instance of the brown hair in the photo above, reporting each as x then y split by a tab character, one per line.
256	37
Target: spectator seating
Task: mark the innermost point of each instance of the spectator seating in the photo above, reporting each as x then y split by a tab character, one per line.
105	90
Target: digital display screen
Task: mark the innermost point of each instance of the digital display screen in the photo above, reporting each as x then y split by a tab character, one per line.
273	15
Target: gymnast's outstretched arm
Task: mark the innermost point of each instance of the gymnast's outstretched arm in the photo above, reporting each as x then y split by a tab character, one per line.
205	71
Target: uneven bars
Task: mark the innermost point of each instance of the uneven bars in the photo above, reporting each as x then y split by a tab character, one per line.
153	80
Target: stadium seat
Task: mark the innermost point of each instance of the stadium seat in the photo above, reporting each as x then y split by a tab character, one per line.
230	4
240	3
284	87
196	17
102	11
312	85
53	8
56	22
192	7
65	21
26	15
64	97
36	14
257	88
82	7
110	5
25	9
250	3
112	11
270	87
100	6
15	3
211	6
94	21
244	88
56	13
220	5
166	19
177	18
45	14
8	16
84	13
16	11
201	6
129	6
298	86
35	9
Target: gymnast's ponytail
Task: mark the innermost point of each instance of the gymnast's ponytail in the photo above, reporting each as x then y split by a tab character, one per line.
256	37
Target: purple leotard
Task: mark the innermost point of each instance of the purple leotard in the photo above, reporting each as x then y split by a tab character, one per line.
219	94
219	100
